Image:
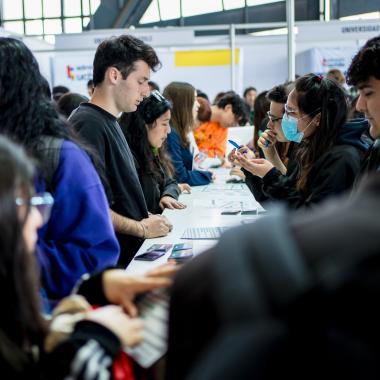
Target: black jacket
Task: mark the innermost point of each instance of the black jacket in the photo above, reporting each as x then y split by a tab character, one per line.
371	162
156	185
102	132
339	243
332	173
90	346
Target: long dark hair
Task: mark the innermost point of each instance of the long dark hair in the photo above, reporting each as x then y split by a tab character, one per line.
182	97
316	95
134	126
21	324
26	113
261	107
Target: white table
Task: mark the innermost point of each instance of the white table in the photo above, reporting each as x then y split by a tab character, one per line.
204	207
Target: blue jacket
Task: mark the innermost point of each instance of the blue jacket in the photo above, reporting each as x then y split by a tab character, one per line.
79	237
183	163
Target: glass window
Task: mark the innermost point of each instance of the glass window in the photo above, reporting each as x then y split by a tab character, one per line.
86	7
12	9
73	25
53	26
52	8
71	8
233	4
151	14
94	5
33	27
86	21
14	26
258	2
33	8
169	9
192	8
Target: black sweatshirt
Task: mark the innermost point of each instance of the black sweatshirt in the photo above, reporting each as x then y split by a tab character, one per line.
102	132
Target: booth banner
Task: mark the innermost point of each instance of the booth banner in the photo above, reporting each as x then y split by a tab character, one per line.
90	40
73	72
321	60
338	30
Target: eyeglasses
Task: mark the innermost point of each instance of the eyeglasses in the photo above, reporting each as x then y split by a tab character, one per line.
273	118
289	110
43	202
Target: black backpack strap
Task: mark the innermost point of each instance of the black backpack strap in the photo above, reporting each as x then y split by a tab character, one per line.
258	263
49	149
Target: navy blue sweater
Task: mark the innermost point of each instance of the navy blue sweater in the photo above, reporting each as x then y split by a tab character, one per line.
183	163
79	237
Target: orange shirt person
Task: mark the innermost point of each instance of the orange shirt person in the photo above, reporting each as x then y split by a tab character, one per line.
211	137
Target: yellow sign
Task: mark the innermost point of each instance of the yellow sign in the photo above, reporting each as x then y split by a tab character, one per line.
218	57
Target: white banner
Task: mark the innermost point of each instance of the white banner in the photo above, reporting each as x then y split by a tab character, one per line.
91	40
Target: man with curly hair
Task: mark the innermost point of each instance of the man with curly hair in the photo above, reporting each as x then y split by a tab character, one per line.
364	73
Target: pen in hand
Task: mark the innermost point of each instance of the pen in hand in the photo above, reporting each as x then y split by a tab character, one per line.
236	145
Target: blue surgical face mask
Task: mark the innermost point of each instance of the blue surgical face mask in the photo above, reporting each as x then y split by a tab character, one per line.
289	126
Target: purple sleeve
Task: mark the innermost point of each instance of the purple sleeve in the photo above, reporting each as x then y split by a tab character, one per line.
79	237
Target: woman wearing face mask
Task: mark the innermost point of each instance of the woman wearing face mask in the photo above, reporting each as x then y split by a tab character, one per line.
328	152
146	132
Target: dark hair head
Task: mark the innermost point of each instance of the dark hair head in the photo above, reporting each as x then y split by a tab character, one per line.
134	126
278	94
46	87
25	112
248	89
204	111
58	91
316	95
219	96
122	52
366	63
90	83
153	85
182	97
20	322
201	94
261	107
238	105
69	102
153	106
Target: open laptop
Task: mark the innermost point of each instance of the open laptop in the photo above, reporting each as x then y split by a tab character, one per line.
241	135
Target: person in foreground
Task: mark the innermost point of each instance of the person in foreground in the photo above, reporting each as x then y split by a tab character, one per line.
29	346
